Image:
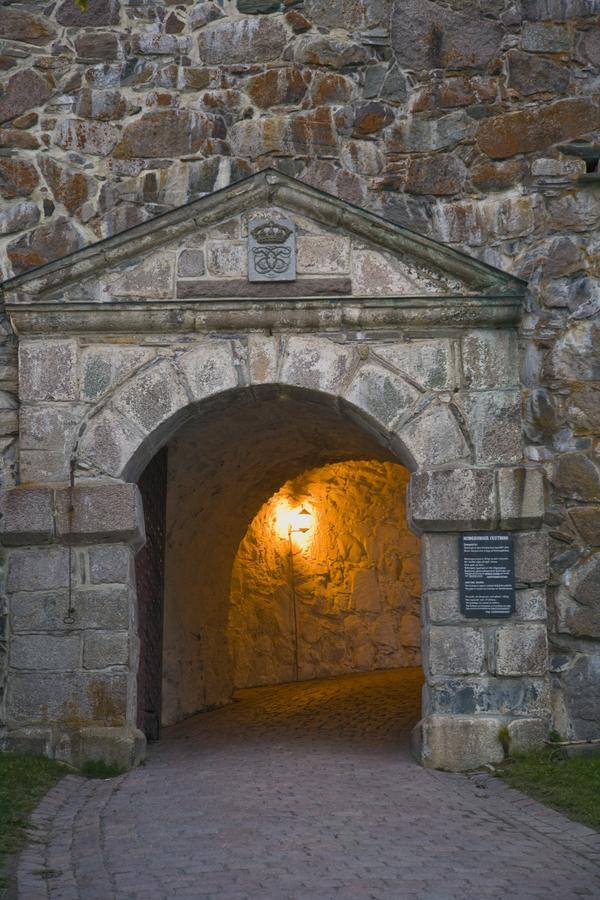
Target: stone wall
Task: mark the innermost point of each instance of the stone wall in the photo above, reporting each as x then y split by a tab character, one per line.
356	576
446	116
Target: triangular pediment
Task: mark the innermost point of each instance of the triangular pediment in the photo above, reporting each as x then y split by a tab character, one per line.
199	252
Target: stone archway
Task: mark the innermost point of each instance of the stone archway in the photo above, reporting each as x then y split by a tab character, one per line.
224	464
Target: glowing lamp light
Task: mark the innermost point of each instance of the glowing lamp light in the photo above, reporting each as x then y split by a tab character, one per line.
294	522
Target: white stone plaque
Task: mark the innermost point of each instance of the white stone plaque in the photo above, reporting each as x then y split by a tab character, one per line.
271	249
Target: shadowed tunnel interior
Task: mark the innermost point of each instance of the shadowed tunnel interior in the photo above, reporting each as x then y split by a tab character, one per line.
232	577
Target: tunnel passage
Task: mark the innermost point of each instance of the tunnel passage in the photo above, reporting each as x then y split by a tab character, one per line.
223	466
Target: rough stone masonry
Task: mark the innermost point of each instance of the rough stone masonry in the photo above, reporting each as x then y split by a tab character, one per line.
474	123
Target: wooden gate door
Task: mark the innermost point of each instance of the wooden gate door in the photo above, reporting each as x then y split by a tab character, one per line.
149	575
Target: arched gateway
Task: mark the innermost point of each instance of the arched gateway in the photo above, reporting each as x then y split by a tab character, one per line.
267	295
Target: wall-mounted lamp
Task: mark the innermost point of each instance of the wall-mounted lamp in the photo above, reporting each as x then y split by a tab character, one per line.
293	520
296	525
300	522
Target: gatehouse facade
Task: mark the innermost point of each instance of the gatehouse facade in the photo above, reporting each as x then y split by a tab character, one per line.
123	344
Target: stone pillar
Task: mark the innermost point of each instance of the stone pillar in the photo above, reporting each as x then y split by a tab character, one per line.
481	674
72	632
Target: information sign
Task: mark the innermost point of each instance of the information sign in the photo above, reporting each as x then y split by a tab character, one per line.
487	577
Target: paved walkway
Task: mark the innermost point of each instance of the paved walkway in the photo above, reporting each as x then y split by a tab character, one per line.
304	792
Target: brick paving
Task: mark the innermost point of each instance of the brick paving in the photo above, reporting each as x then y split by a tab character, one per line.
304	792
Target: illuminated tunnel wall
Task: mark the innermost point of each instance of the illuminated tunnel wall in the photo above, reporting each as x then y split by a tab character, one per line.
348	600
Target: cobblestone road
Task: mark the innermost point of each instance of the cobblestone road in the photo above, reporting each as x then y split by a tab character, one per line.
304	792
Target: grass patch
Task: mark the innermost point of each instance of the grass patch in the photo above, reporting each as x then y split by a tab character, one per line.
23	781
97	768
569	785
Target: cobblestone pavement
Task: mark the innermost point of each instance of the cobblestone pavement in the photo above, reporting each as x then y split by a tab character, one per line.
305	792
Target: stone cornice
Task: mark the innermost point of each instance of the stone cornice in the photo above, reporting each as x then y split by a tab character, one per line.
323	314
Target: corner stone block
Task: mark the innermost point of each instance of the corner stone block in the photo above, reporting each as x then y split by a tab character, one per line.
380	394
439	555
323	254
455	650
486	695
108	608
102	649
531	557
443	607
50	427
101	512
494	421
521	493
152	397
428	363
490	359
227	258
38	611
153	278
124	746
263	356
577	702
50	652
316	364
460	499
111	564
209	369
48	370
433	438
43	466
457	743
576	602
527	734
27	516
104	366
110	442
38	569
520	650
531	604
32	741
93	696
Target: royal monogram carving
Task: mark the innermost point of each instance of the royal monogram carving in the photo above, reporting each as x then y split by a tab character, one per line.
271	260
271	250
